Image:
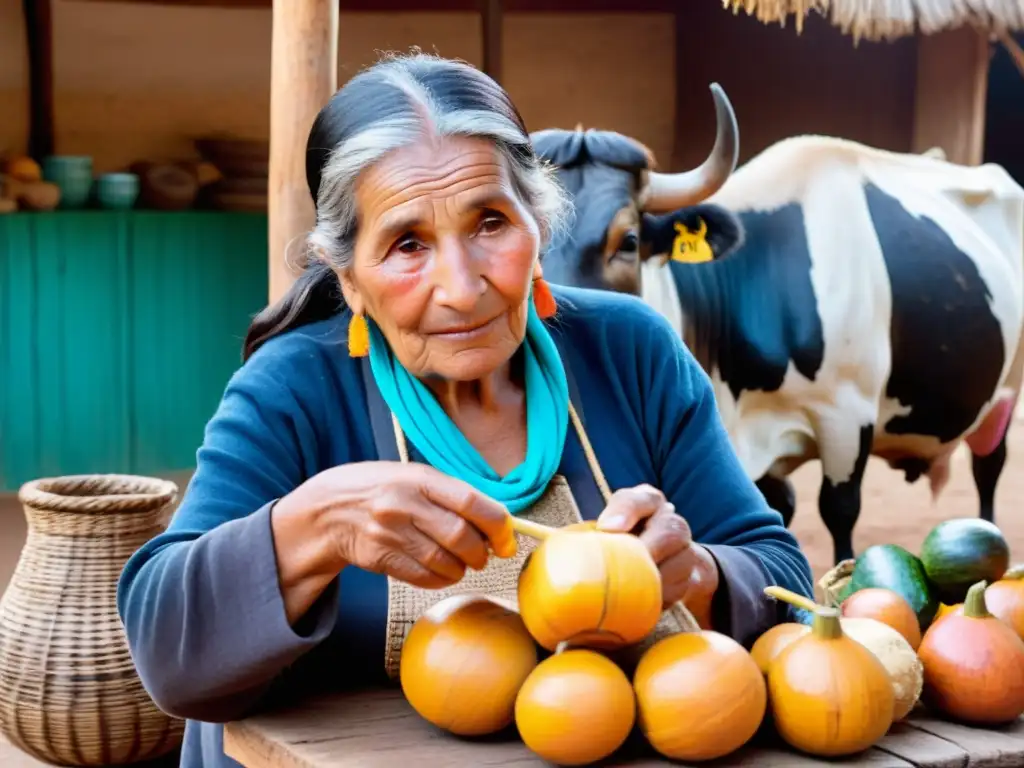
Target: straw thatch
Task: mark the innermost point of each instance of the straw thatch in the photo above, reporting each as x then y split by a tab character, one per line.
890	19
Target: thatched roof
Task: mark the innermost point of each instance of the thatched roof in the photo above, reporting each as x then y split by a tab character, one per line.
889	19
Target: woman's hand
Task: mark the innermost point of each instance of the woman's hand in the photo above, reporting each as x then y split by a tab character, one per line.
688	571
408	521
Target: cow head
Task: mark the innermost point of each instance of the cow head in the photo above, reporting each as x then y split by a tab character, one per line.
626	212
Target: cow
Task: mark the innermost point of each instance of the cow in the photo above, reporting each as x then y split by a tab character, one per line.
845	301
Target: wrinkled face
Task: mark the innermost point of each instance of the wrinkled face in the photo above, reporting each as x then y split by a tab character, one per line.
603	249
444	257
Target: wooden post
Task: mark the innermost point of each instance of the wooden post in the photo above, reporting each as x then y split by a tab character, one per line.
952	83
39	34
303	77
682	86
491	21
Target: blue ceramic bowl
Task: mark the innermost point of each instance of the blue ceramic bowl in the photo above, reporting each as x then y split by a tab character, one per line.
73	174
117	191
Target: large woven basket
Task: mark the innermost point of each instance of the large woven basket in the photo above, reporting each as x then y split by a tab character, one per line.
69	693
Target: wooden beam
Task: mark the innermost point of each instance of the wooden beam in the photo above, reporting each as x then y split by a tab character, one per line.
442	6
303	77
491	21
39	34
952	83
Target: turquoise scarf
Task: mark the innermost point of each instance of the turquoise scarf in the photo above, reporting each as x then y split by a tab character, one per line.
435	435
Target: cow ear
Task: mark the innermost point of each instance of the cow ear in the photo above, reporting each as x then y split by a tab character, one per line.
692	235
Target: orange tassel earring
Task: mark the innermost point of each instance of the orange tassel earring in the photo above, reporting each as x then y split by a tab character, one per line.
358	337
542	299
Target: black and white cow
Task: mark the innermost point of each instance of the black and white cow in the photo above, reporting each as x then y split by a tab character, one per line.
845	301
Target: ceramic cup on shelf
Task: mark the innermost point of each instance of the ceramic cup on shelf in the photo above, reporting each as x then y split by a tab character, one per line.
117	191
73	174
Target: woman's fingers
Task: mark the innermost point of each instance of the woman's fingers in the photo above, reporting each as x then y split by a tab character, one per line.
629	507
666	534
676	574
668	538
482	512
388	540
401	566
434	534
452	532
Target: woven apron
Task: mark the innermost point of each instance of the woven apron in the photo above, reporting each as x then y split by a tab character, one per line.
499	578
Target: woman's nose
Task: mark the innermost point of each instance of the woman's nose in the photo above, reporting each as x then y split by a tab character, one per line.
458	283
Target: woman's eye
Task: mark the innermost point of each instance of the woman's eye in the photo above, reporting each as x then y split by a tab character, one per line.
408	245
491	224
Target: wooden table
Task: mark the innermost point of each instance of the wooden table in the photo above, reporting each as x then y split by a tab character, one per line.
378	728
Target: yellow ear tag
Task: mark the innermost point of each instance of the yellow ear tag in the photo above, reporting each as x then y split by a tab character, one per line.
691	247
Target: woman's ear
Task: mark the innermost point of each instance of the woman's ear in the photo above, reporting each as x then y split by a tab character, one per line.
353	299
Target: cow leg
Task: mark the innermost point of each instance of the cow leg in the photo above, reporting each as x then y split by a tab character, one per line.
842	475
986	470
779	494
988	451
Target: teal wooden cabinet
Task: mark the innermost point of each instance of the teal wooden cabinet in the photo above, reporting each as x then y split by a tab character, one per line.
118	333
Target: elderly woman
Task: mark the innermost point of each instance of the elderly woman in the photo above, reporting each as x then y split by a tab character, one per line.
418	383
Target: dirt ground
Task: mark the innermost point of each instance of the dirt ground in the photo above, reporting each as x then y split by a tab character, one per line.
892	510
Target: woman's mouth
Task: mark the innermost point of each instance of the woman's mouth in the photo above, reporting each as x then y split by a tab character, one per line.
466	332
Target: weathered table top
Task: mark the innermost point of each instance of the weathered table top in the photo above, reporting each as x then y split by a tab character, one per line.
378	728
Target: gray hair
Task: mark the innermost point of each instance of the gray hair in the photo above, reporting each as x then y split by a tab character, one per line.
410	97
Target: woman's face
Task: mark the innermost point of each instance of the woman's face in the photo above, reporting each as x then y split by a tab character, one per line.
444	257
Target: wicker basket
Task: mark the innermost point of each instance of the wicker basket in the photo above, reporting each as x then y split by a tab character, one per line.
831	585
69	693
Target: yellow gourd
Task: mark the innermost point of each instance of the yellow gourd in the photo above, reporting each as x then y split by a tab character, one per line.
830	696
589	588
575	708
700	695
463	663
889	646
770	644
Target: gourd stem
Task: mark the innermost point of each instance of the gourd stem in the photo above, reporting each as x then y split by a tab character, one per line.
826	623
780	593
974	603
531	529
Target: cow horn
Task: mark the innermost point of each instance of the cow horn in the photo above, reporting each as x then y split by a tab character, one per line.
669	191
